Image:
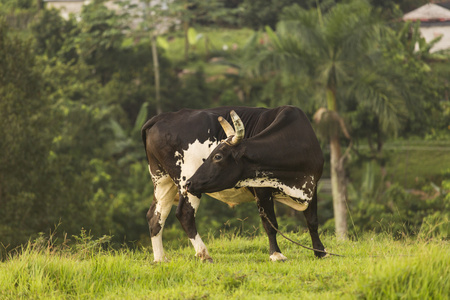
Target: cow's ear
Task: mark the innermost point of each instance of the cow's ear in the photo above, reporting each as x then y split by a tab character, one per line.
238	152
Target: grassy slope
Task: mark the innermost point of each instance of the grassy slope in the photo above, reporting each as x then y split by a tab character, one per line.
217	39
375	268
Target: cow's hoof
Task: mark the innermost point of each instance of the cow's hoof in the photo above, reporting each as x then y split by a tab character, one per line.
277	256
204	256
321	254
208	260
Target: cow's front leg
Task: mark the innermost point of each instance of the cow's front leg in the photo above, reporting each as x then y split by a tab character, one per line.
266	205
186	210
313	225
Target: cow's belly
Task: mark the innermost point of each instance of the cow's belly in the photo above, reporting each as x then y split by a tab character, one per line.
233	196
285	199
243	195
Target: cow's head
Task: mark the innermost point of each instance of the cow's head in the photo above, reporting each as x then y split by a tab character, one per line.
224	166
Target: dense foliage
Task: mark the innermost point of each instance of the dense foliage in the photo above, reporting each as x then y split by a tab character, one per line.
75	92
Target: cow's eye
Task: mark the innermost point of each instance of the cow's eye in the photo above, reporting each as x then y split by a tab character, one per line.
218	157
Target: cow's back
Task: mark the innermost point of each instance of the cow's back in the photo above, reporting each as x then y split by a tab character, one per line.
185	138
177	130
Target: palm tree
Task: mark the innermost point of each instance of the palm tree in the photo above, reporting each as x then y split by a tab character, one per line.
338	52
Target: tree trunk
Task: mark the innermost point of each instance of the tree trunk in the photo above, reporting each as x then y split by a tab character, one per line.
156	71
338	189
186	40
338	184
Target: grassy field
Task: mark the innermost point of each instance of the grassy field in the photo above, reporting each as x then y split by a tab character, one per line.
376	267
217	39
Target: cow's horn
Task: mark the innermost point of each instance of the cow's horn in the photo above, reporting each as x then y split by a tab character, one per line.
229	131
239	128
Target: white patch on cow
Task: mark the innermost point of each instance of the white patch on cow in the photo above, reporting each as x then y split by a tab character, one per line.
158	250
303	193
200	248
277	256
288	195
165	191
190	160
195	202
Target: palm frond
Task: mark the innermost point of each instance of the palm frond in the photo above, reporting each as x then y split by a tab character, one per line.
382	97
283	53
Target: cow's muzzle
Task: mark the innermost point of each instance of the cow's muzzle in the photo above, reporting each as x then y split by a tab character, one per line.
188	188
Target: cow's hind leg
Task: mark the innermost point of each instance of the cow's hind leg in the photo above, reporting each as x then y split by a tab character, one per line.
164	194
266	204
186	210
313	224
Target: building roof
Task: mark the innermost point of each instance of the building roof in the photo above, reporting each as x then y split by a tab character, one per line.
430	12
63	0
444	4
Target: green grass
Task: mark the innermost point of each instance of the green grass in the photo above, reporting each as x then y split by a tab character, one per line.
375	267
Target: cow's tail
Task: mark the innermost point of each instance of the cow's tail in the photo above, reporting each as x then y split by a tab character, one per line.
144	129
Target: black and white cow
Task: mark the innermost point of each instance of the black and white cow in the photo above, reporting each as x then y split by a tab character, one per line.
273	155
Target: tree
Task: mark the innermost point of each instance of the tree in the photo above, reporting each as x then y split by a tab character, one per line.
337	50
27	133
50	30
195	12
99	43
152	22
260	13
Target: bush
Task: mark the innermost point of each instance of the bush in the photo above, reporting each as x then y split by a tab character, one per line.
401	213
